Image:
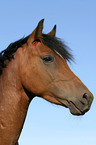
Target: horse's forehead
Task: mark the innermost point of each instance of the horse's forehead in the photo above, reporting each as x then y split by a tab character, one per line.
43	48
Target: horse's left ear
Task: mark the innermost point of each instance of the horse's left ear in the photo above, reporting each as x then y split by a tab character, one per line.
37	33
53	31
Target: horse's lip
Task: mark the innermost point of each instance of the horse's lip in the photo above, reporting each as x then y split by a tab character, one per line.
63	102
72	107
75	110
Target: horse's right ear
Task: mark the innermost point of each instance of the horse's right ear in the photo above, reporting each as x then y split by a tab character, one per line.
53	31
37	33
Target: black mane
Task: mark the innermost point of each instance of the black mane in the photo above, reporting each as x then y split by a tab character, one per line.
8	53
53	43
56	45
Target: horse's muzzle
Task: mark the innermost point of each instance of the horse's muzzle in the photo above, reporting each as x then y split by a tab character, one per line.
81	106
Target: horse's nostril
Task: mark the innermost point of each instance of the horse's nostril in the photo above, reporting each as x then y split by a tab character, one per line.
85	99
85	96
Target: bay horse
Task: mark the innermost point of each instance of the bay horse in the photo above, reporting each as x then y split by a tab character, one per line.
37	66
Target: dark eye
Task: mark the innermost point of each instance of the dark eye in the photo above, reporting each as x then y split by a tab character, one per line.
48	59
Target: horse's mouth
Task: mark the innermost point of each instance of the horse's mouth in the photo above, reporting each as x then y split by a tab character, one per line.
74	109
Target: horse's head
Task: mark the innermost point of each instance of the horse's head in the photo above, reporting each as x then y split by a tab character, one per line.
45	73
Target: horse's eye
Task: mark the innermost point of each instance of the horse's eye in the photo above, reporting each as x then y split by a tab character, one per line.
48	59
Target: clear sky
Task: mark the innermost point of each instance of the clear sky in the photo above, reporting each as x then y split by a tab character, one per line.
48	124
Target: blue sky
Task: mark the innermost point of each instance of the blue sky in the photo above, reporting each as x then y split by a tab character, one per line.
76	25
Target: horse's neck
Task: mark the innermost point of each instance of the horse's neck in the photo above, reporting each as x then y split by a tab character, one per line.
13	106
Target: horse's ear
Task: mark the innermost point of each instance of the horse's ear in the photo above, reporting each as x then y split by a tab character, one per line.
37	33
53	31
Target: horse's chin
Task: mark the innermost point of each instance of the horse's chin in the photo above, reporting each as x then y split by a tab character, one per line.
76	108
72	107
77	111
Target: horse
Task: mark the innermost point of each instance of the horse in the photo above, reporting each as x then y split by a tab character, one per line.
37	66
